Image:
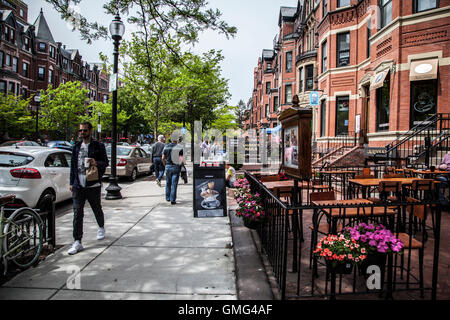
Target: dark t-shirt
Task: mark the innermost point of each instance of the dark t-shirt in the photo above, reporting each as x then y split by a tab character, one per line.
172	149
157	149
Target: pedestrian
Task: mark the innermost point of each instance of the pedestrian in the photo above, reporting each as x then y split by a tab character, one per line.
205	148
157	150
87	153
72	142
172	159
444	179
230	176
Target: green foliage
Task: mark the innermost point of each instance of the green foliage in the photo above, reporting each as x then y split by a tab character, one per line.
204	91
63	108
16	119
106	117
226	119
183	18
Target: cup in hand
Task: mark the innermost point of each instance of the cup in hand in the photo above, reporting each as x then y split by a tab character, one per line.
87	162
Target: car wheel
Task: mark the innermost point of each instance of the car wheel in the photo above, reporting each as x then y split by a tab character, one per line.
46	201
133	174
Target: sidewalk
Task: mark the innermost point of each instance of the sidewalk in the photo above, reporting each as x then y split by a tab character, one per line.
152	250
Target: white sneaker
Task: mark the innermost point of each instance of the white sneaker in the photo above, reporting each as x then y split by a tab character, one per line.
101	234
76	247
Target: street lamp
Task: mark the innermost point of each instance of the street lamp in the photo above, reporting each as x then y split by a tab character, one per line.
99	127
117	29
37	99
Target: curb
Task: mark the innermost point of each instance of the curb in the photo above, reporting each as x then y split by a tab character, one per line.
252	281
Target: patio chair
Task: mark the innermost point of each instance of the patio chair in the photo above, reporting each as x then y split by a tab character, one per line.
408	173
412	242
322	228
388	191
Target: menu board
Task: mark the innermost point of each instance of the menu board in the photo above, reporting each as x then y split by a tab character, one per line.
291	147
209	190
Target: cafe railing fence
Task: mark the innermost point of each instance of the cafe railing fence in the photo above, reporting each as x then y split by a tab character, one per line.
285	240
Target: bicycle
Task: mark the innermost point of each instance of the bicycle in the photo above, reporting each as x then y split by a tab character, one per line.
21	235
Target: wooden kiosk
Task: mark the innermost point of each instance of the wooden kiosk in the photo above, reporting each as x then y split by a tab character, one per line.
297	144
297	157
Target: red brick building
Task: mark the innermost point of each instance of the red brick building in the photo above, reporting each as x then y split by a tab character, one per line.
31	59
380	66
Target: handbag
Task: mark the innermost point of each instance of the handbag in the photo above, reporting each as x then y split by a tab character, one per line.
92	174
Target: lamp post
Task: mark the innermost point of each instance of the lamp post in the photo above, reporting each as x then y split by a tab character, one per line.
37	99
99	127
117	29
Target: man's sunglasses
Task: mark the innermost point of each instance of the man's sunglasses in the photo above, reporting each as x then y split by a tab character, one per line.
83	130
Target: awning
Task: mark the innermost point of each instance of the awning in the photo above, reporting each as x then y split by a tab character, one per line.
378	80
424	69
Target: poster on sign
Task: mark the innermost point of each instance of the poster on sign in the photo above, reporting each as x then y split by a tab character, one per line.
291	147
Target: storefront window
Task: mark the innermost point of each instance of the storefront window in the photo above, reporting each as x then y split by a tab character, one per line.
423	100
383	105
342	107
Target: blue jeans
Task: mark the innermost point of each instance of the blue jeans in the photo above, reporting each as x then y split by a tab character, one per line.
172	177
442	186
159	168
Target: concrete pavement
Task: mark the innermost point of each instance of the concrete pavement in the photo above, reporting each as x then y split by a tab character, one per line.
152	250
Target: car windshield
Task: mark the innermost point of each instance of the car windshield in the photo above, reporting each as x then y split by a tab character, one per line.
9	159
120	151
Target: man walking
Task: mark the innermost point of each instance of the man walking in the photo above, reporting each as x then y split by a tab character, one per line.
172	158
86	153
157	150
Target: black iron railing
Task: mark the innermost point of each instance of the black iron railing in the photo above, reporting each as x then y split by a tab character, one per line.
285	241
335	146
418	141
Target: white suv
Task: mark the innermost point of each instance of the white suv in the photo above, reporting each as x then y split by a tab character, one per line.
31	173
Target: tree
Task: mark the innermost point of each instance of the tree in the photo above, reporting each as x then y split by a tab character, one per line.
240	113
150	71
181	18
15	118
203	91
62	108
106	118
226	119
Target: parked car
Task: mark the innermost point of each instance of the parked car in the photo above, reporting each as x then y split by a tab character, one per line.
32	173
20	143
148	149
60	145
130	162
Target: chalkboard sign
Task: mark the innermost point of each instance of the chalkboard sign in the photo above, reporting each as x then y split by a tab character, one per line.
210	192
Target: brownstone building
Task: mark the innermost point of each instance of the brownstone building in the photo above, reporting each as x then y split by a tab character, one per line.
31	59
379	66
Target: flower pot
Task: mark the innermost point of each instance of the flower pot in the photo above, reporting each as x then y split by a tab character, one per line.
251	224
339	267
375	258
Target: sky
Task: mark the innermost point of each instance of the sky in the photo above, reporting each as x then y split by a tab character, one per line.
256	21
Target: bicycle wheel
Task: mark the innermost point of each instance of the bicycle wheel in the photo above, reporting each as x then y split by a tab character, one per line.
23	237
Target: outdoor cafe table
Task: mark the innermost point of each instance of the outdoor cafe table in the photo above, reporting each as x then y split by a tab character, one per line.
338	213
364	184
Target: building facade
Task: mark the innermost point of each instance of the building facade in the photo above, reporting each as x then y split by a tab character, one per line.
379	66
31	60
